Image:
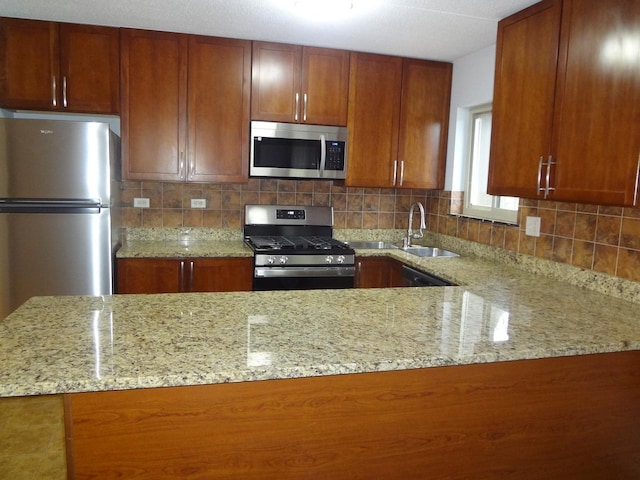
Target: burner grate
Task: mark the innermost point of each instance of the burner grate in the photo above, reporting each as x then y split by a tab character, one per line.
266	243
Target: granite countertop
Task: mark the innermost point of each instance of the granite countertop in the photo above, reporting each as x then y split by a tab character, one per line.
184	249
183	243
498	313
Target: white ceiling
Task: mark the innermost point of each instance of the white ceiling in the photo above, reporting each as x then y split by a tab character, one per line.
431	29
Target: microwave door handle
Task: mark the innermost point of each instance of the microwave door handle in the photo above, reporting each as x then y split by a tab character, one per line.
323	155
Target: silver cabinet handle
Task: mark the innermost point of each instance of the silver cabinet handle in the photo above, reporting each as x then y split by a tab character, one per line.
192	167
547	187
635	192
401	172
304	108
54	99
547	181
395	172
295	115
540	189
181	166
64	92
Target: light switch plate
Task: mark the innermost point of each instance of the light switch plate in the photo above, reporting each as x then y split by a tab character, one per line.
141	202
198	203
532	227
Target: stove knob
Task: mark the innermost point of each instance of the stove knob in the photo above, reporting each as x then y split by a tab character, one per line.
329	259
284	259
271	259
340	259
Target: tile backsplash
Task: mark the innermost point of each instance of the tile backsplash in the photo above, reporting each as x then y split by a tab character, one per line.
353	207
600	238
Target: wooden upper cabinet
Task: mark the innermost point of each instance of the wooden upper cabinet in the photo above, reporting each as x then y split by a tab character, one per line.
398	122
296	84
566	116
59	67
90	68
185	107
30	64
424	124
523	99
375	88
154	105
218	110
596	136
325	82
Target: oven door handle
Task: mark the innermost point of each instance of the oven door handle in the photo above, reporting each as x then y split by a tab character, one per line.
282	272
323	155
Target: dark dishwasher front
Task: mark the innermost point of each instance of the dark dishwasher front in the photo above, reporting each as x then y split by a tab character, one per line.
412	277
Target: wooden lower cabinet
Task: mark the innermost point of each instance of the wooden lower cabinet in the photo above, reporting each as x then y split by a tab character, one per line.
150	275
221	275
174	275
378	272
570	418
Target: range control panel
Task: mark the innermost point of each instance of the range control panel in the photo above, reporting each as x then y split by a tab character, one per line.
297	214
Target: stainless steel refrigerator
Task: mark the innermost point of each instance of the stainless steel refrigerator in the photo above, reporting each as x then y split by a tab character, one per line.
58	228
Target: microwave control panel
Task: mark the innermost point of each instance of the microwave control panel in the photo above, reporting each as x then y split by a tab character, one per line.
335	156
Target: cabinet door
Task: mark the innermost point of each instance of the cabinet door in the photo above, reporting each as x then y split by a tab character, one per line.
375	84
523	100
29	64
275	85
596	140
154	103
218	114
325	86
395	273
372	272
221	275
424	123
150	275
89	69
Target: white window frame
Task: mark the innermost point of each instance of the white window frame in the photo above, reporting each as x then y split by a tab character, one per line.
478	144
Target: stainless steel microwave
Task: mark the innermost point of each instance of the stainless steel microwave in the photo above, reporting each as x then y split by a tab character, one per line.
292	150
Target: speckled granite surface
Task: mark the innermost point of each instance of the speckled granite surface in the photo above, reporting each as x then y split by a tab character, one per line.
74	344
208	242
189	249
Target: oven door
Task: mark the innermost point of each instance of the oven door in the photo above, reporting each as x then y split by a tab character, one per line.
303	278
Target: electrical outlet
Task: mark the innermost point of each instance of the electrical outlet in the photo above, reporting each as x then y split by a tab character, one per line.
141	202
532	227
198	203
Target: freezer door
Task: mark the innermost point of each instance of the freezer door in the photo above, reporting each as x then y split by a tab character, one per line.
45	159
54	254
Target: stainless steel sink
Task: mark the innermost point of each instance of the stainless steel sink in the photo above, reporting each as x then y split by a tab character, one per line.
428	251
373	245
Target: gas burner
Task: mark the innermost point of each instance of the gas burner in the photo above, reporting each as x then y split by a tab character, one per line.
323	243
271	243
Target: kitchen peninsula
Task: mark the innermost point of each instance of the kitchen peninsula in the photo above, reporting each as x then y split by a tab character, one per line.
508	374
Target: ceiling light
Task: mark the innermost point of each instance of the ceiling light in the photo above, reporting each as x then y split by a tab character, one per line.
324	6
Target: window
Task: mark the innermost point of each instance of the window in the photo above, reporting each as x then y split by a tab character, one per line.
477	203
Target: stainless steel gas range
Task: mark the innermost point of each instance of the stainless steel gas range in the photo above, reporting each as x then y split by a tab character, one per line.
294	248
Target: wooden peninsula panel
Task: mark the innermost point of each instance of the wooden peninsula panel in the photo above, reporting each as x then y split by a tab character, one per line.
570	418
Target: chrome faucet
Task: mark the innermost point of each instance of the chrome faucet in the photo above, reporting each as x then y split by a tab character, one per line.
406	242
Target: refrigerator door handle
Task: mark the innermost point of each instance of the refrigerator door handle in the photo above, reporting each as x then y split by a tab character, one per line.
62	206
